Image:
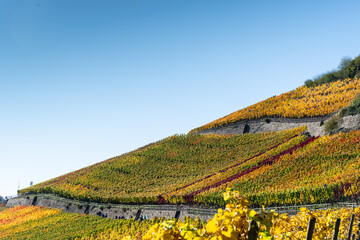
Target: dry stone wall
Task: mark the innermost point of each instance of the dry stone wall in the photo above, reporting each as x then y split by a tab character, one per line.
115	211
139	212
315	126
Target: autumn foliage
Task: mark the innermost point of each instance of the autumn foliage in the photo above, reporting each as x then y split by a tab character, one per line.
302	102
283	168
163	167
231	223
33	222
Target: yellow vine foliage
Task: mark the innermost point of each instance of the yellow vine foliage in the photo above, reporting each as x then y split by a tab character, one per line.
302	102
233	223
33	222
295	227
161	168
21	214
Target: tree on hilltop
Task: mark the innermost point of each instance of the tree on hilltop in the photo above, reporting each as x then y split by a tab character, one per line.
348	68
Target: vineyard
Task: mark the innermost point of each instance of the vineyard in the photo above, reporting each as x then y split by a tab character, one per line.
166	166
302	102
236	221
2	206
44	223
272	169
284	168
325	170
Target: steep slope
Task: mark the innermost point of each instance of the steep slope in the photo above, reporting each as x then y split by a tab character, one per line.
324	170
196	168
276	168
303	102
140	176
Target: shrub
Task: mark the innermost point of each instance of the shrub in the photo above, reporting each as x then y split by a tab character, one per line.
353	108
333	123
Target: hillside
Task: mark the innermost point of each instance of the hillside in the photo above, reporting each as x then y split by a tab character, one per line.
276	168
303	102
272	168
322	171
142	175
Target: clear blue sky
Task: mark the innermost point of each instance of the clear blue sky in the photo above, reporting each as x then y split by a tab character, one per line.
82	81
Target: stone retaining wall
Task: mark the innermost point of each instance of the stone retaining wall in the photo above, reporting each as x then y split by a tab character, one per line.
115	211
315	126
118	211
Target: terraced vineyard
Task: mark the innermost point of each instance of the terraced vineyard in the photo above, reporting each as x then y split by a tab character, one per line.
281	168
272	169
322	171
231	223
227	174
140	176
302	102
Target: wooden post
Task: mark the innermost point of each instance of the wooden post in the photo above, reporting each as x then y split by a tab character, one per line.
351	225
336	231
311	228
253	231
138	214
177	215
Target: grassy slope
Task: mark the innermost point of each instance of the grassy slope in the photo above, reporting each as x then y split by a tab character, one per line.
140	176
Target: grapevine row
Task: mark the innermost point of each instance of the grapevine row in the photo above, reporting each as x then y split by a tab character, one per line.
268	161
316	173
162	200
140	176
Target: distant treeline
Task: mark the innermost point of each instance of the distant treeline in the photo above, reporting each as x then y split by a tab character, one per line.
348	68
2	200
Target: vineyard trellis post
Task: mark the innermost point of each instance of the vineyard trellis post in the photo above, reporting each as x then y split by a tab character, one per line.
336	231
351	225
138	213
358	232
253	230
311	228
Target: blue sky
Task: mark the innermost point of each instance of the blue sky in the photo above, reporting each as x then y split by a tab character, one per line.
82	81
